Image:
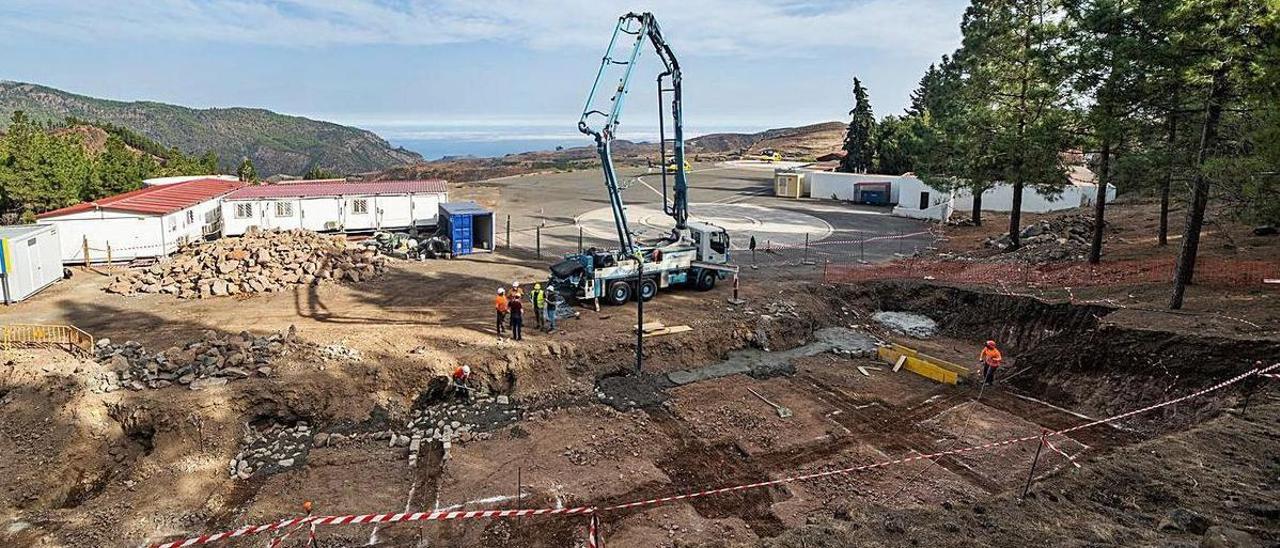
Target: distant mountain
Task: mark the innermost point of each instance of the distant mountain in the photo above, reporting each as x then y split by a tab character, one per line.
800	142
275	142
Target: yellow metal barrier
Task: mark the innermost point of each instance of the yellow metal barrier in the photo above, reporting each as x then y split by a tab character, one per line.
924	365
66	337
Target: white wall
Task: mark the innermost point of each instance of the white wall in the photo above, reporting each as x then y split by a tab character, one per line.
1090	191
1000	198
36	263
940	203
825	185
384	212
129	235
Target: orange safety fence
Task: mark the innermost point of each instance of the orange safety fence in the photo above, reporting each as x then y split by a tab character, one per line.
1213	272
66	337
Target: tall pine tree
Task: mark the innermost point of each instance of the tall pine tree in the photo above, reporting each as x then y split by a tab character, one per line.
1011	57
858	146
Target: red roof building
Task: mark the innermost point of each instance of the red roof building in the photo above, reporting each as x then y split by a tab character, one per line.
153	200
323	188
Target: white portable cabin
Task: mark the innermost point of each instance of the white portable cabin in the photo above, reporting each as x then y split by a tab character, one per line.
153	221
324	206
29	260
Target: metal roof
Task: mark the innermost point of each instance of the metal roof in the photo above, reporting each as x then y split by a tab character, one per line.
463	208
332	188
22	231
154	200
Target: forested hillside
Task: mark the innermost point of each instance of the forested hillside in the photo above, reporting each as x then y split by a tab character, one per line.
275	143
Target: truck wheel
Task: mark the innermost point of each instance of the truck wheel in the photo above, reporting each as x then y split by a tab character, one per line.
706	281
619	292
648	288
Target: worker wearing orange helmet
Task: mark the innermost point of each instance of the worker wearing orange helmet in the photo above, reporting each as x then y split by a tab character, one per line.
989	359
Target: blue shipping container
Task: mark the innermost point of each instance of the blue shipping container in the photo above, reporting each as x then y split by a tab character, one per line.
469	226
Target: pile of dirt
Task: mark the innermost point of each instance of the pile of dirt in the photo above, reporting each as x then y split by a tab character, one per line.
258	262
212	360
1054	239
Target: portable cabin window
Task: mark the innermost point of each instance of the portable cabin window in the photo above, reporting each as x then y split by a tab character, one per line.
191	216
173	223
924	200
244	211
284	209
359	207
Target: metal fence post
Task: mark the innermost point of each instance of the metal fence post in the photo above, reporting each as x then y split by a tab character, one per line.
508	231
1026	488
108	253
806	249
537	234
85	246
579	239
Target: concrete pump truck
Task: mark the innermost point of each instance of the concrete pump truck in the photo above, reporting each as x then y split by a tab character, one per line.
694	254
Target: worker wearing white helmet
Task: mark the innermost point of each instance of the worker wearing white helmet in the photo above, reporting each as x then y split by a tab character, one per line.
516	292
500	306
460	377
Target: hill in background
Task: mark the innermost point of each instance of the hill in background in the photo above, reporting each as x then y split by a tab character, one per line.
276	143
804	143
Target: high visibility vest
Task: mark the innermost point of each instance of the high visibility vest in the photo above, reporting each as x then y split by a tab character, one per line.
539	298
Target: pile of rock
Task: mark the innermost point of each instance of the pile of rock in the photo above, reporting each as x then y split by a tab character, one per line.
459	423
1060	238
274	448
907	323
213	360
258	262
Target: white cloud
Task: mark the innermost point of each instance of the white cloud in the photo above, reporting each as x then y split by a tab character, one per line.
711	27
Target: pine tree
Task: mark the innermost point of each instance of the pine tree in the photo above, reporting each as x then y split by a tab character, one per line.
1111	68
1224	43
1016	82
246	172
858	147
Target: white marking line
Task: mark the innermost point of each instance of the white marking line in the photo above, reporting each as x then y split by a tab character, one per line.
1067	411
408	502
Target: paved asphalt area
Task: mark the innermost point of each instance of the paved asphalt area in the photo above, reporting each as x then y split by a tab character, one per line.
738	198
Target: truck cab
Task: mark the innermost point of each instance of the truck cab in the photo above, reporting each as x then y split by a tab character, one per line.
711	241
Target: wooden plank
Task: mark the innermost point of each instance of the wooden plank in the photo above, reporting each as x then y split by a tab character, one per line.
668	331
863	370
898	365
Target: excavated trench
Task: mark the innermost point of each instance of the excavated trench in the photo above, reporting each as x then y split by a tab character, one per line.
1065	355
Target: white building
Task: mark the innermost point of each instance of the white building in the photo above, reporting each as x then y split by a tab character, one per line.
152	221
29	260
334	206
832	185
914	198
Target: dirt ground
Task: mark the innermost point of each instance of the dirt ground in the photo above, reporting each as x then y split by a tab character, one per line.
79	467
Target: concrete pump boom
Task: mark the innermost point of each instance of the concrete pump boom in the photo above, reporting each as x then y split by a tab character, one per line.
636	28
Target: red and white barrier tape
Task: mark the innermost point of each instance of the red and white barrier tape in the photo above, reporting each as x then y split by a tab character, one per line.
592	510
1069	458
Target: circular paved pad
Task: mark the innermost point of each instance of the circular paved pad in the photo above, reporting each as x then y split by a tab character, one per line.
741	220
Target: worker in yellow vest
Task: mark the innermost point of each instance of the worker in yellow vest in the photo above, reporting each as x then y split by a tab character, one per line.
539	298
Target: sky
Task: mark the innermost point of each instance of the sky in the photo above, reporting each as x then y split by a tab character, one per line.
407	68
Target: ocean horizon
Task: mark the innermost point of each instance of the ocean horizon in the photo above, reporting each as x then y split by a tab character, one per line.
491	140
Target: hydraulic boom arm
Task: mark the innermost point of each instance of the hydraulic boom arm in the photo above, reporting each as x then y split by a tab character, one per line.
636	28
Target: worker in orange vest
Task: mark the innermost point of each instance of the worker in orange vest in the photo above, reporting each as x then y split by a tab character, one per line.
460	377
500	305
989	359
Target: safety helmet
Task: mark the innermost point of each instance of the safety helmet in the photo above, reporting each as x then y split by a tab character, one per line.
537	286
515	284
991	344
501	291
466	370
